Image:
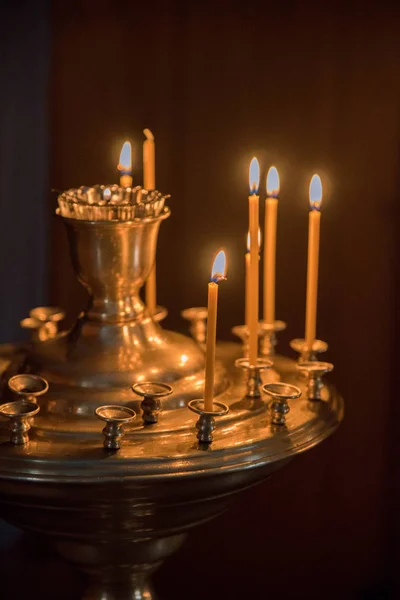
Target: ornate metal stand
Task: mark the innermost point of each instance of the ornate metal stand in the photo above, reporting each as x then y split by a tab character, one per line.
118	515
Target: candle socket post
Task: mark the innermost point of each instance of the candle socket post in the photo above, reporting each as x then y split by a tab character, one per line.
115	417
159	314
280	394
19	414
308	354
206	423
28	386
314	370
253	374
268	337
197	316
242	332
43	322
151	392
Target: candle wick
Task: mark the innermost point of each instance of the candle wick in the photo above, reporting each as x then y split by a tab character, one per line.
148	134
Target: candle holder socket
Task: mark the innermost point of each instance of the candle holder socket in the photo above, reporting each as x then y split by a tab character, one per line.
115	417
280	394
43	322
268	337
206	423
151	392
159	314
197	317
314	370
253	372
306	354
20	414
28	387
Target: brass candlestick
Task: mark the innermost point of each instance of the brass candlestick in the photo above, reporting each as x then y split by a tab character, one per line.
20	414
197	316
268	339
242	332
115	417
160	314
206	423
314	370
280	394
306	354
151	392
43	322
253	381
28	386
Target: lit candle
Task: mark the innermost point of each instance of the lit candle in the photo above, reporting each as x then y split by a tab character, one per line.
217	274
149	169
314	220
271	215
149	183
254	181
125	165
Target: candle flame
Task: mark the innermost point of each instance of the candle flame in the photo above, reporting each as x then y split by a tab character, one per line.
254	176
125	159
218	270
107	194
273	183
248	240
315	192
148	134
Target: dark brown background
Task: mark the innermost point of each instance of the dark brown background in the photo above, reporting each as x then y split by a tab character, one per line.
308	88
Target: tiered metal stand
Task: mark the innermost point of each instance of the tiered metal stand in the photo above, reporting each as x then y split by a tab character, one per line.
117	514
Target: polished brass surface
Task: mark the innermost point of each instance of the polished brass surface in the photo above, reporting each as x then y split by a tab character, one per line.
306	354
151	392
43	322
253	374
206	423
281	393
115	417
314	371
29	387
20	414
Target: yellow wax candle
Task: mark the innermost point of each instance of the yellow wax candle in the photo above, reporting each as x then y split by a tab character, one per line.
149	168
271	216
254	261
248	289
125	165
314	221
151	293
217	274
149	183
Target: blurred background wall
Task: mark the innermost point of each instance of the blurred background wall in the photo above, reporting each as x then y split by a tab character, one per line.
308	88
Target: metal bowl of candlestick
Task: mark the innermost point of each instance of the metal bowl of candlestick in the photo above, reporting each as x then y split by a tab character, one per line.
118	515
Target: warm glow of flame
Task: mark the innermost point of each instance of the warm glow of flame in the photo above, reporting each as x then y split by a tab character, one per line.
125	159
248	240
254	176
107	194
273	182
218	270
315	192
